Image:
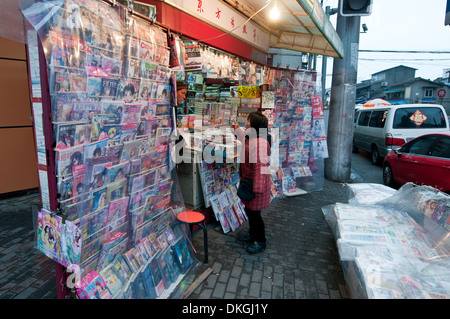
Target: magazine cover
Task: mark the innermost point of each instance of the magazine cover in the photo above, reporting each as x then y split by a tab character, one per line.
112	66
117	172
131	114
79	185
92	286
145	90
133	68
149	70
82	134
94	221
63	106
83	111
138	287
146	50
71	241
172	267
68	159
117	210
61	81
181	254
113	247
65	188
231	217
128	90
320	149
95	149
132	149
97	124
109	87
113	107
49	234
112	280
117	190
148	280
78	83
99	198
121	268
162	264
65	136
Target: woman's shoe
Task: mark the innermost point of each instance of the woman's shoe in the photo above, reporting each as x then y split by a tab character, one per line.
256	247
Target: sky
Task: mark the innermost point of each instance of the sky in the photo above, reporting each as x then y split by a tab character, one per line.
401	25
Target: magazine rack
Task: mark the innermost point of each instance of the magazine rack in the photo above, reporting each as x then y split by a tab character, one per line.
102	141
195	218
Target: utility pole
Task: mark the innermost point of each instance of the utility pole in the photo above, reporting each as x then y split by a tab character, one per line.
342	101
328	12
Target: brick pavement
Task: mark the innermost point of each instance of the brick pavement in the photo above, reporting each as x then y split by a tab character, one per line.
301	259
25	273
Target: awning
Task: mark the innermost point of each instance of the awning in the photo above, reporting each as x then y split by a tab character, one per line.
302	26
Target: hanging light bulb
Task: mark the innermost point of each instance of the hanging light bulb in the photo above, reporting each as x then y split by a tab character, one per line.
275	13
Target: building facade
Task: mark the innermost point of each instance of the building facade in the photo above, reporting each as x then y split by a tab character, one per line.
399	85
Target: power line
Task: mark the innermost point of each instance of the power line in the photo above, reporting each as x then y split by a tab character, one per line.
405	59
405	51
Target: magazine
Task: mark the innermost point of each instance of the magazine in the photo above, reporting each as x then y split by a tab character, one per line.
113	107
117	210
109	87
71	242
149	70
128	90
117	190
121	268
68	159
181	254
83	111
133	68
112	280
61	80
113	247
65	135
92	286
49	234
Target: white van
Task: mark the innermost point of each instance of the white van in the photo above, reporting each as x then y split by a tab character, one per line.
378	130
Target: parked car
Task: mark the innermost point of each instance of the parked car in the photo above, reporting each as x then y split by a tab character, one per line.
423	161
378	130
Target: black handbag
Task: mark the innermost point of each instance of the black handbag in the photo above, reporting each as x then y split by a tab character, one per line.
245	190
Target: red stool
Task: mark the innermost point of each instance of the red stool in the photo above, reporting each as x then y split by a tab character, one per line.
196	218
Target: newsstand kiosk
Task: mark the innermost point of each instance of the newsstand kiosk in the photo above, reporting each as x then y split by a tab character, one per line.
103	93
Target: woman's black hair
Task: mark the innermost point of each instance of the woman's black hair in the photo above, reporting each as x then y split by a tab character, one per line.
260	123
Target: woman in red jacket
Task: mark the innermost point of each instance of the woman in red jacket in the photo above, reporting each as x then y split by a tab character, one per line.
254	165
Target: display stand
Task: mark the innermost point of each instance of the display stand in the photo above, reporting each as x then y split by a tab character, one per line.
99	82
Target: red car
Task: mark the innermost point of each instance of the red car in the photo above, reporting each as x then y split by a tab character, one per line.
424	160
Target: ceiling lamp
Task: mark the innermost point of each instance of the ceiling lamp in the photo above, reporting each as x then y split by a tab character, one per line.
275	13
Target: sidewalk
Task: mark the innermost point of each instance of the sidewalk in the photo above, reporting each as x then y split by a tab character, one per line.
301	260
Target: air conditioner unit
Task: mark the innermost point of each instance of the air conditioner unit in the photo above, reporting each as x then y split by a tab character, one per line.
384	83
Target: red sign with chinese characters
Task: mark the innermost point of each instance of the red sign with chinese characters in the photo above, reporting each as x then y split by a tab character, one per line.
418	118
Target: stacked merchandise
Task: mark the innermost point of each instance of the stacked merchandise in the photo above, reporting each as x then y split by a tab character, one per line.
216	154
397	247
110	90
